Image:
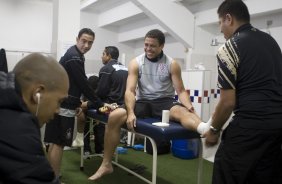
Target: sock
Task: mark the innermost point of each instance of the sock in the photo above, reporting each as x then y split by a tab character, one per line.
209	121
204	127
79	136
78	141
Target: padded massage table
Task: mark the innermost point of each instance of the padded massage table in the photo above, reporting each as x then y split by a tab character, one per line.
153	133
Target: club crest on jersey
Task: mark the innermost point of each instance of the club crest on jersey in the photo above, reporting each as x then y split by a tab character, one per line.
162	69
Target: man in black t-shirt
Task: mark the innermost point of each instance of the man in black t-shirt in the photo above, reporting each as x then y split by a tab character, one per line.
112	77
111	87
250	82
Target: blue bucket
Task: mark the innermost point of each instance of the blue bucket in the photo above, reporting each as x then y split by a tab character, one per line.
186	148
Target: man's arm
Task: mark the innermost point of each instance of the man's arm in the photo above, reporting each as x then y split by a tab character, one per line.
227	79
183	96
80	79
221	114
130	93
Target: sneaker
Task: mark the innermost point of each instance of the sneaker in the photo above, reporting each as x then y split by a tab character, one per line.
121	150
99	151
66	148
78	143
138	147
86	155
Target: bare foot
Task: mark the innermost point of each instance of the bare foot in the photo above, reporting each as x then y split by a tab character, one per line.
103	170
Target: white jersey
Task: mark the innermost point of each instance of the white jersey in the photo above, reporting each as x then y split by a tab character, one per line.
154	79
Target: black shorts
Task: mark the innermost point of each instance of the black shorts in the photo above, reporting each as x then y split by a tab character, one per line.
153	108
60	130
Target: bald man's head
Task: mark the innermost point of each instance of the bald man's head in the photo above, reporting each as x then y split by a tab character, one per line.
39	68
43	75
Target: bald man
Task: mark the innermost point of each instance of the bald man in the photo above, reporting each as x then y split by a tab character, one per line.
30	96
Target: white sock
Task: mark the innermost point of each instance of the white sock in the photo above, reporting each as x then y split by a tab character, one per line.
79	136
209	121
204	127
78	141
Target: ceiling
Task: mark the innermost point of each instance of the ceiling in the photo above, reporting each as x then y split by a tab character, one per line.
193	5
140	19
201	9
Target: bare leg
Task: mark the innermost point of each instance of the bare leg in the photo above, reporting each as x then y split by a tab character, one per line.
81	122
111	140
55	154
187	119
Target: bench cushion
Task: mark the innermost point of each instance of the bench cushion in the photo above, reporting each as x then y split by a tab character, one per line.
145	127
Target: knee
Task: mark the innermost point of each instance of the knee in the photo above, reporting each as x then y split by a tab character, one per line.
181	114
117	118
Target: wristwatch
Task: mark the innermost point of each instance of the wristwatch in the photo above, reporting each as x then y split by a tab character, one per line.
214	130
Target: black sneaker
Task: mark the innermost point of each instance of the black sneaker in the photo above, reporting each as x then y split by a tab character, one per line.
99	152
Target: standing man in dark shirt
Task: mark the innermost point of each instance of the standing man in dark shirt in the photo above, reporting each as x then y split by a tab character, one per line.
59	132
250	82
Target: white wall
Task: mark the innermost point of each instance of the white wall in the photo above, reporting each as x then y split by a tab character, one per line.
27	26
276	33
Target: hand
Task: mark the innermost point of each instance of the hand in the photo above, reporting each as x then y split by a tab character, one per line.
84	106
107	108
131	121
114	106
211	138
111	106
78	111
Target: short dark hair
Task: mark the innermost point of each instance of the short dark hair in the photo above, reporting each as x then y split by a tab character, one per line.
112	51
157	34
93	82
236	8
86	31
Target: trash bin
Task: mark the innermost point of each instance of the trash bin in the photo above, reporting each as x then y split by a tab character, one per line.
185	148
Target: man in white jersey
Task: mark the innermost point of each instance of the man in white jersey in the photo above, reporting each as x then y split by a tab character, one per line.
158	77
